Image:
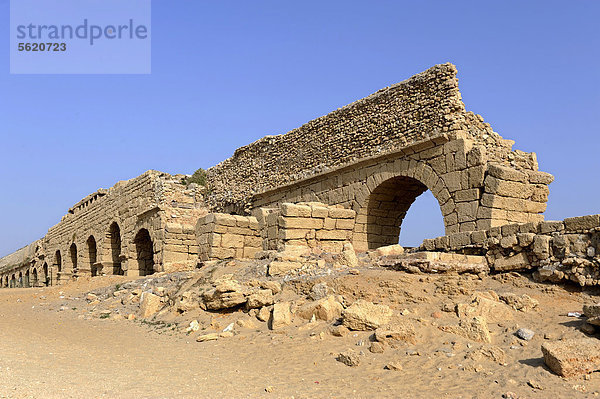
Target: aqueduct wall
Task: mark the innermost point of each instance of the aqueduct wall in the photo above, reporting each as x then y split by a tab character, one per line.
373	157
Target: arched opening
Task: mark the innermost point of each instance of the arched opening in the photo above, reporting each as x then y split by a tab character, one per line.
73	253
386	209
26	279
423	220
144	252
114	235
13	281
92	255
20	282
46	277
58	261
34	278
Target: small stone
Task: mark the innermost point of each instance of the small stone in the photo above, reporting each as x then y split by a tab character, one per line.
436	315
338	331
377	347
264	314
395	366
349	358
208	337
534	384
525	334
193	327
270	389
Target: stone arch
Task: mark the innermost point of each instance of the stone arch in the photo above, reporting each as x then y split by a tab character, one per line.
20	280
386	198
73	257
58	261
45	276
144	249
34	277
27	279
92	255
114	249
13	281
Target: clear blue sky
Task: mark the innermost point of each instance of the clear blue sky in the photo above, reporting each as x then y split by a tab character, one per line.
227	73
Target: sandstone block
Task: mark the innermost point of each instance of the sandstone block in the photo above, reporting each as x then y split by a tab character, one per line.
341	213
260	298
398	331
288	209
281	316
300	223
149	304
518	261
327	309
572	357
363	316
281	268
582	223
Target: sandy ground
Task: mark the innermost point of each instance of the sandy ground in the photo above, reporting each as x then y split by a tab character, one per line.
47	353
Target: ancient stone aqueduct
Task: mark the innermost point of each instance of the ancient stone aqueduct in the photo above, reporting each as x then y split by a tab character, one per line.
347	177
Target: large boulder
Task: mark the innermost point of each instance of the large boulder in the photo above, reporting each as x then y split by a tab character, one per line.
326	309
572	357
363	316
260	298
225	295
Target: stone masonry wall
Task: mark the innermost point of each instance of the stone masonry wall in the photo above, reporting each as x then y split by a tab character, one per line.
222	236
427	105
107	232
555	250
310	224
473	193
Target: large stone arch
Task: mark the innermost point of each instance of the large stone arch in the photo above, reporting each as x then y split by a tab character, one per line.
90	256
386	196
145	253
113	250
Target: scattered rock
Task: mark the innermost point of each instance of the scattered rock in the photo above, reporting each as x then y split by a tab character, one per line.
260	298
264	314
400	330
535	384
591	310
377	347
208	337
572	357
475	329
349	358
363	315
395	366
226	295
194	326
326	309
149	304
246	323
389	250
522	303
281	316
525	334
338	331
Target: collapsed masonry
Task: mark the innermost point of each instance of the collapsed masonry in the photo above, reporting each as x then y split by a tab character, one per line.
344	180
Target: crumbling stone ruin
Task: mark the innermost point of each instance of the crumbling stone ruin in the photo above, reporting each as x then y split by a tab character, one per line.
339	184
